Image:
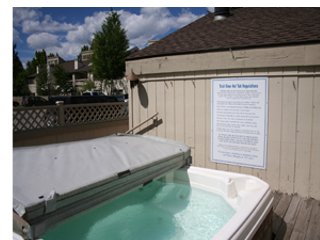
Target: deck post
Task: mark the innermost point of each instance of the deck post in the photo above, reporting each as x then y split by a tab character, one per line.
60	105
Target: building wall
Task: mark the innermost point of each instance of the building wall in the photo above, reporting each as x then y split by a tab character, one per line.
183	101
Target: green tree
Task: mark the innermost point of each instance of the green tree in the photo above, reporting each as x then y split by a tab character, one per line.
17	65
39	62
83	48
88	85
43	86
20	85
51	55
62	83
110	50
39	59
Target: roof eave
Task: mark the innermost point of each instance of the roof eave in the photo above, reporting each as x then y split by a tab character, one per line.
308	42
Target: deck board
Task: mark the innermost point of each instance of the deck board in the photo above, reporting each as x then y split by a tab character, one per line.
302	221
290	217
280	211
295	217
276	199
313	231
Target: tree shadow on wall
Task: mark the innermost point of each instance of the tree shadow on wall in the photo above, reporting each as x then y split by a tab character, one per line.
144	101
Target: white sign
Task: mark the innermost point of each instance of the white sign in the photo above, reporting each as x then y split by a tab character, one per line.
239	121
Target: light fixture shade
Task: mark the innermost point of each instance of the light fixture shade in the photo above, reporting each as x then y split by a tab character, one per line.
132	78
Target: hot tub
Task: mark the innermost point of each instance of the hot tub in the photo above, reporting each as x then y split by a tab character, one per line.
82	189
186	204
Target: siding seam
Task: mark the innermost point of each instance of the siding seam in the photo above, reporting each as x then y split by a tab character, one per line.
297	89
281	135
311	135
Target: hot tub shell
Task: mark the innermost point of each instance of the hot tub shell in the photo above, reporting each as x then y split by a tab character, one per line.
55	181
251	198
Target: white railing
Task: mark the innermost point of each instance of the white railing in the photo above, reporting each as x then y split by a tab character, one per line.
31	118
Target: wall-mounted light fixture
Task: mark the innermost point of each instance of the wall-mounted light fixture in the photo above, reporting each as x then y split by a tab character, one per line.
133	79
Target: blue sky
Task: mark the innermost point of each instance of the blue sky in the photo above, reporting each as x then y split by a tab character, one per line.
64	30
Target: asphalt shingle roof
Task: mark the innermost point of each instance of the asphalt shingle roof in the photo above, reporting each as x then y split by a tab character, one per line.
244	28
68	66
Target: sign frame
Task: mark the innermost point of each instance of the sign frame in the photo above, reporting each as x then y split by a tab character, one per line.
258	86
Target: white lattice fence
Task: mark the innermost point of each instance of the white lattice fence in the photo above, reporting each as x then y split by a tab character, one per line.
86	113
31	118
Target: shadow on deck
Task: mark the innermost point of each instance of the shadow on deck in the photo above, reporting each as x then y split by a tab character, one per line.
295	217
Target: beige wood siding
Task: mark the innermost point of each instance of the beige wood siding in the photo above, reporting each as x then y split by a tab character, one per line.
183	101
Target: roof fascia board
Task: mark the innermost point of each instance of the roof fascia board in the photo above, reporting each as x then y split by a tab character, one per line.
285	56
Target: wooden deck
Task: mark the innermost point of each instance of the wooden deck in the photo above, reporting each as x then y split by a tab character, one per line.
295	217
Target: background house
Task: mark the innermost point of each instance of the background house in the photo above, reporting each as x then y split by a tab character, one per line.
282	44
79	71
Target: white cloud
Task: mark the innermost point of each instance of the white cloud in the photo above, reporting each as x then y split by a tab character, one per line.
46	25
67	45
42	40
31	20
152	23
186	18
148	24
65	50
23	14
80	36
84	33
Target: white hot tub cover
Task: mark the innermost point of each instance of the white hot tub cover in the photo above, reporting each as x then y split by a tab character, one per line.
76	175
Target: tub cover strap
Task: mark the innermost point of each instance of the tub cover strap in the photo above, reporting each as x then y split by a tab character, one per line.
50	202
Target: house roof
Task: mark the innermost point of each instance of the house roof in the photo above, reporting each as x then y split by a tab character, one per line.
244	28
68	66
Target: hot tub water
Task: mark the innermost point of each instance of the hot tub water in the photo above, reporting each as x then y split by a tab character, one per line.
158	211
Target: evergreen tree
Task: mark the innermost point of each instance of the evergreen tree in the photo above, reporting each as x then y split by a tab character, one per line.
62	82
39	59
20	85
83	48
110	50
43	87
52	55
17	65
